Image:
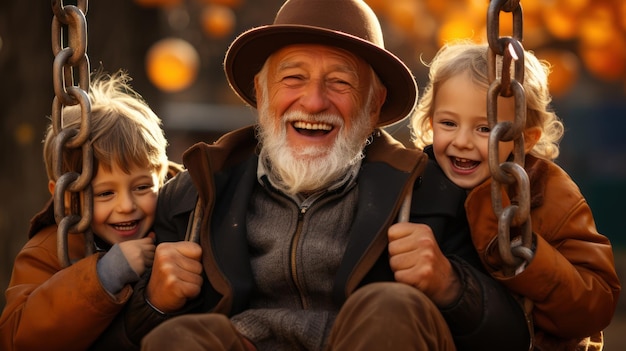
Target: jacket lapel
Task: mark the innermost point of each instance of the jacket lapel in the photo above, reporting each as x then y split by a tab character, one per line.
388	172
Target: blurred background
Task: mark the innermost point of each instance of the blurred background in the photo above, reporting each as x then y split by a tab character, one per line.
174	50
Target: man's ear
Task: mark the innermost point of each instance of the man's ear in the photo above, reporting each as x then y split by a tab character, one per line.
51	184
257	89
380	96
531	137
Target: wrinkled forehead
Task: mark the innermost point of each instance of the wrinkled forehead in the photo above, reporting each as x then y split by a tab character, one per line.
314	54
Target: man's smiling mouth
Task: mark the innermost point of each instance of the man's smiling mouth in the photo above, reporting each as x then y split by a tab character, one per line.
312	129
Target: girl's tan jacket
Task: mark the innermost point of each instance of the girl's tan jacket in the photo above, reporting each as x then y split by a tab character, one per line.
571	281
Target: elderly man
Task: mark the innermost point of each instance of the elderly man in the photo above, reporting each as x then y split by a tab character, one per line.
296	218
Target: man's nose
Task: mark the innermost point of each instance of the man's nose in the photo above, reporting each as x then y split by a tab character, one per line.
314	98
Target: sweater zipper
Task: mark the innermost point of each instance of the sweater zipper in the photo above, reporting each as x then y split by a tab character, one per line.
294	245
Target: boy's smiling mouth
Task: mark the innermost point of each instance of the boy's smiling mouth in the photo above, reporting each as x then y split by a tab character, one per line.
125	226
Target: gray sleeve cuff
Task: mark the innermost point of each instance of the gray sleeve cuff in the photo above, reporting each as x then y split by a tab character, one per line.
114	271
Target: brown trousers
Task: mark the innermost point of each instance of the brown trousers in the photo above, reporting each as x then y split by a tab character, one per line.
379	316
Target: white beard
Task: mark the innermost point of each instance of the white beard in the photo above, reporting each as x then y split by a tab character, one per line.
305	170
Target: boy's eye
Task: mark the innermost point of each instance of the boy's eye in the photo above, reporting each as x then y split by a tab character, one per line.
145	187
104	193
484	129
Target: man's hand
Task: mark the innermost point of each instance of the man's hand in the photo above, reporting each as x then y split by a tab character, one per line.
176	275
416	260
139	253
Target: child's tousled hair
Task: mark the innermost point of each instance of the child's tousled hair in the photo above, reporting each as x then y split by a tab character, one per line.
124	130
467	57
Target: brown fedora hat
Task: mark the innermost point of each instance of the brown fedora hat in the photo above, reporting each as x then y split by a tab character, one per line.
347	24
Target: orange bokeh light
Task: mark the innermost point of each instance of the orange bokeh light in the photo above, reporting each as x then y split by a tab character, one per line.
608	62
218	21
564	69
562	24
459	27
597	26
621	13
172	64
404	14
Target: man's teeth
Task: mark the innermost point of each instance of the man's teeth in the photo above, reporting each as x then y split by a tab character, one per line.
312	126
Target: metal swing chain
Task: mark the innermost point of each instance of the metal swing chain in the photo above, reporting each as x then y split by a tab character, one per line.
508	175
71	64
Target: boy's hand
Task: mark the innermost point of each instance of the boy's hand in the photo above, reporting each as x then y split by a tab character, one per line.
176	275
416	260
139	253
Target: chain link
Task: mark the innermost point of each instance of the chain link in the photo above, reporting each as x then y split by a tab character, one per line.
69	45
510	175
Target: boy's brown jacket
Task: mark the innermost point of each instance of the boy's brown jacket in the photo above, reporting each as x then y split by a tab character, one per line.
571	281
54	308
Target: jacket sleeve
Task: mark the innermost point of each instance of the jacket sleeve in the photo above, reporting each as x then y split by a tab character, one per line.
485	316
571	279
49	308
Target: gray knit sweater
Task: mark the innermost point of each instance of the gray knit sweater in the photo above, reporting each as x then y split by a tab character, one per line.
296	249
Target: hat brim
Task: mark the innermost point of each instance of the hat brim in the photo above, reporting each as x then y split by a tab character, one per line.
247	54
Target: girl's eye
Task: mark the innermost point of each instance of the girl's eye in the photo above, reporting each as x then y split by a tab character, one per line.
447	123
484	129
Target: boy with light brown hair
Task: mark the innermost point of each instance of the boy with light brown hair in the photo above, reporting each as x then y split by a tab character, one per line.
51	307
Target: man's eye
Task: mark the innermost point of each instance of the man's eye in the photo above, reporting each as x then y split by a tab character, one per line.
339	84
341	81
292	78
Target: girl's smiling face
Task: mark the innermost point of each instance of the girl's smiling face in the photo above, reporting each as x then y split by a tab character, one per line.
461	130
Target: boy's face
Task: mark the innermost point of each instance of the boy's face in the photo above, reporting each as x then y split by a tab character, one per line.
461	130
124	204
